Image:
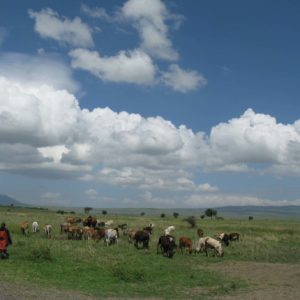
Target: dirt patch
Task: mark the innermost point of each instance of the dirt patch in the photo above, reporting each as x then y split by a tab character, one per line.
265	281
13	291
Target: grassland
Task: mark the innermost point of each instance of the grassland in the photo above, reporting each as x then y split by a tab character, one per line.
121	271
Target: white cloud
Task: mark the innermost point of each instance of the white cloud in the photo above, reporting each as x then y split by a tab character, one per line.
45	133
74	32
219	200
127	66
96	12
182	80
149	17
37	70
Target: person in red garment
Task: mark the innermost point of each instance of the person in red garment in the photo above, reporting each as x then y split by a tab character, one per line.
5	241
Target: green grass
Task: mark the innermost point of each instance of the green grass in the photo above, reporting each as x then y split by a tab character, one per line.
123	271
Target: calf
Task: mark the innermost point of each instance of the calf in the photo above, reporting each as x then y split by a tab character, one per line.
167	245
186	243
141	237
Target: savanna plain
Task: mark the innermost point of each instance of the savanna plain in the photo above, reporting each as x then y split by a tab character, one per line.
264	264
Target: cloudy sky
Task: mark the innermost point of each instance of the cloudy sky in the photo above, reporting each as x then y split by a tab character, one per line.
150	103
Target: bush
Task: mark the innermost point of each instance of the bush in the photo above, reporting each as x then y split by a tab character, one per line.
162	215
191	220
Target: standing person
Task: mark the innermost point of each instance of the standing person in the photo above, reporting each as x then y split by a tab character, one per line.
5	241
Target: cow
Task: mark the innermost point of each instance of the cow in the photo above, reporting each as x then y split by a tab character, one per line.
234	236
149	228
74	232
111	236
224	238
90	222
131	234
73	220
186	243
123	228
169	230
200	232
206	243
35	227
141	237
24	226
48	230
167	245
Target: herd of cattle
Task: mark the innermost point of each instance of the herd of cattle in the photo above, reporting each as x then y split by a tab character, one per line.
94	229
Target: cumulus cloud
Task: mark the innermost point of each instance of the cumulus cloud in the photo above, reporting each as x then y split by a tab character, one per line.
182	80
48	24
45	133
149	17
37	70
255	139
127	66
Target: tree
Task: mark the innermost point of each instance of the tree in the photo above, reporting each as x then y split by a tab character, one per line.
162	215
104	212
250	218
202	217
191	220
175	214
87	210
142	213
210	212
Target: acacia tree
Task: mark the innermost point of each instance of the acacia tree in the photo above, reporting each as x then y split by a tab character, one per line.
175	214
104	212
87	210
211	213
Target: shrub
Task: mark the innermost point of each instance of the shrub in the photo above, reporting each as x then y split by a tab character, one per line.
162	215
191	220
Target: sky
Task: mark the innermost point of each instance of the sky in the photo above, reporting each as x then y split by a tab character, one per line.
150	103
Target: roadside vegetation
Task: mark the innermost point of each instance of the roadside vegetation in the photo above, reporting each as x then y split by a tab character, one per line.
121	270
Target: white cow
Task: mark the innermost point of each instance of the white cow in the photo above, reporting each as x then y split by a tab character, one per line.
35	226
111	236
169	230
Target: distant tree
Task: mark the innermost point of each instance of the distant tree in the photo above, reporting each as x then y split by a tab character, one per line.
162	215
104	212
72	212
87	210
142	213
191	220
175	214
12	205
60	212
210	212
250	218
202	217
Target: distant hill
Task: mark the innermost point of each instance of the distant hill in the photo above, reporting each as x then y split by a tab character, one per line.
6	200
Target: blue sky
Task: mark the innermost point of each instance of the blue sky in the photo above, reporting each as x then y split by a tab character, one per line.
150	103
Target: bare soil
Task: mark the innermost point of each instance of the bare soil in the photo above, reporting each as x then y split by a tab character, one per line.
265	281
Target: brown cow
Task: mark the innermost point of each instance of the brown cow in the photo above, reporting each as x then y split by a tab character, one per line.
186	243
24	226
73	220
131	234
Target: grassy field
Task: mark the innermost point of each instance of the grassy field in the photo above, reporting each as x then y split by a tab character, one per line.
122	271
